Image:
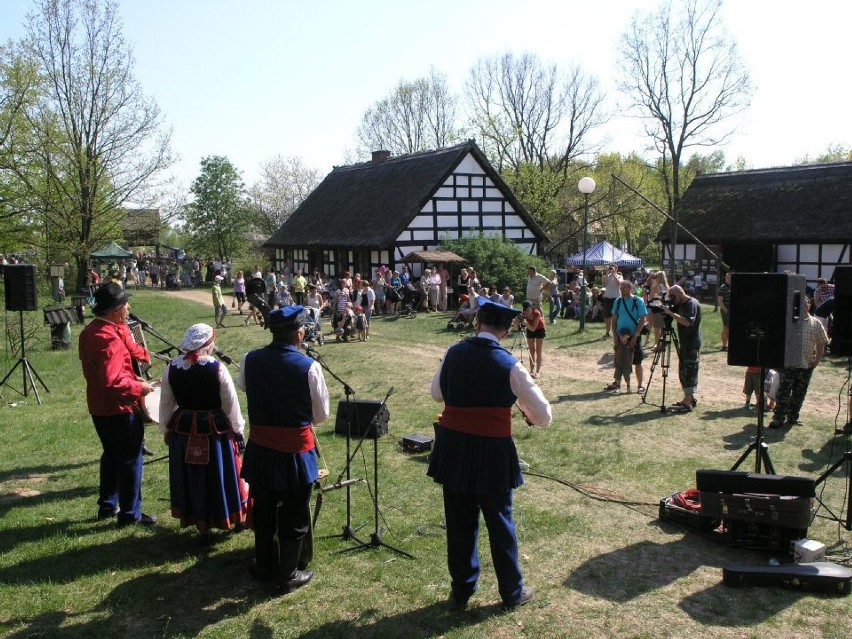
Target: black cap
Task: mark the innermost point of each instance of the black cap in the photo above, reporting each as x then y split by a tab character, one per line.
109	296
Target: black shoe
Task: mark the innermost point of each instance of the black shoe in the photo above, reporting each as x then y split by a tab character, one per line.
144	520
147	451
793	422
526	595
457	604
846	429
776	423
106	514
300	578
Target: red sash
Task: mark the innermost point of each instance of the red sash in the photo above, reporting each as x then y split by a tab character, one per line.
282	439
482	421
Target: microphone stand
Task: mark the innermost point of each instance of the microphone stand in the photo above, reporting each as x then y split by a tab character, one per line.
150	329
376	537
348	532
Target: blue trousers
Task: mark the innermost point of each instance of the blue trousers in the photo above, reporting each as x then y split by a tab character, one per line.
121	465
462	517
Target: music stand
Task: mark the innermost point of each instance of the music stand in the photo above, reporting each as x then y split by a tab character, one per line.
28	370
761	450
376	536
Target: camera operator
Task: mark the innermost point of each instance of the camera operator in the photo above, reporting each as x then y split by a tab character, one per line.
686	311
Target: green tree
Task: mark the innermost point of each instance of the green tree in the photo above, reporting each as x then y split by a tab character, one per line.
682	74
834	153
496	260
91	140
217	221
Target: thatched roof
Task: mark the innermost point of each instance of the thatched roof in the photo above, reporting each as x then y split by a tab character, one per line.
367	205
800	204
433	257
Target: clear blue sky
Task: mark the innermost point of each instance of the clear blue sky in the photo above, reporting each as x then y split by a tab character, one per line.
250	79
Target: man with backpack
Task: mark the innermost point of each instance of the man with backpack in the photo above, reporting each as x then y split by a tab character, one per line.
629	313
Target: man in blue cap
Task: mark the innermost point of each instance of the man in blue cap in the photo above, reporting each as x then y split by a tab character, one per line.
280	461
474	456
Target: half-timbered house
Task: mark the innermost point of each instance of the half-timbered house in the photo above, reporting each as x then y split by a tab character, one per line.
375	213
796	219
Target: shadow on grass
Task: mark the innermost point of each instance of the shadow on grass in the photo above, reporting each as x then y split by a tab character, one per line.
52	470
182	607
430	621
819	461
47	497
739	440
642	568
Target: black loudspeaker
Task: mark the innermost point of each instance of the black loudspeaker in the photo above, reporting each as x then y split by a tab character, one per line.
363	413
841	324
767	320
20	283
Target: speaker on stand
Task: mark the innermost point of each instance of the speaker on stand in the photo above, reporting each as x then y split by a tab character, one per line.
21	295
766	330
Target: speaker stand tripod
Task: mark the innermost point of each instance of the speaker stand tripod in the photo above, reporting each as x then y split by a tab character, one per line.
757	445
27	369
663	358
376	540
348	532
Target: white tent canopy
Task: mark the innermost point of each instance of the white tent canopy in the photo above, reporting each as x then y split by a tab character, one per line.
602	254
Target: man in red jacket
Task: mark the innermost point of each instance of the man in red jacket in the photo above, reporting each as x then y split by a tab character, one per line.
113	394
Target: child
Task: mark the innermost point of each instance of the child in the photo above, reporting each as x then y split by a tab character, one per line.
220	309
361	324
623	360
751	385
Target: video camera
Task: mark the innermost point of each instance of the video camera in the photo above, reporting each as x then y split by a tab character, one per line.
657	305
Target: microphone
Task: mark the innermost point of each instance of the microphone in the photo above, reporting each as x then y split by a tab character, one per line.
136	318
225	358
309	350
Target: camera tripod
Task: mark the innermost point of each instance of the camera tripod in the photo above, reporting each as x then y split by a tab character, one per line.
519	347
663	358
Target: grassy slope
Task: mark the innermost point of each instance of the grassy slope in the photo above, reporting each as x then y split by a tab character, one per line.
598	567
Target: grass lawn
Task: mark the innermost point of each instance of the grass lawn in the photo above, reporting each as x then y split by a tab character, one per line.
591	545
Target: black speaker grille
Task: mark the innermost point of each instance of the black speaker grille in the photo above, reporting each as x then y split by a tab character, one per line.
363	413
20	286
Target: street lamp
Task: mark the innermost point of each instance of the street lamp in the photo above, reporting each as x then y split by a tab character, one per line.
587	187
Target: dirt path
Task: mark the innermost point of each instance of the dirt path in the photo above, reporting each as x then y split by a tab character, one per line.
719	382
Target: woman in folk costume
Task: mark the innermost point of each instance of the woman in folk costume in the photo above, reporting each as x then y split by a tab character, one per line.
203	426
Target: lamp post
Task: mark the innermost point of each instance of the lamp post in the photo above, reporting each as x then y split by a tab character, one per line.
587	187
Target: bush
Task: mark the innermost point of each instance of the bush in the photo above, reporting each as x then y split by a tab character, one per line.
497	261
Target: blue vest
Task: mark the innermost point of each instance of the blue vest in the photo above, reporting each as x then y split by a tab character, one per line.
476	373
276	379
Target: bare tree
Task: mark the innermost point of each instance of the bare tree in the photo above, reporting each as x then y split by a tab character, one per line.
530	113
284	184
683	76
416	116
95	140
533	121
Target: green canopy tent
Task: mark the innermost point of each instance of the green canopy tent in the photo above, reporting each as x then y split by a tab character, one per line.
111	251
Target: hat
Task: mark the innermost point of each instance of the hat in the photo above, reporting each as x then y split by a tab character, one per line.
284	316
218	278
197	335
496	314
109	296
625	331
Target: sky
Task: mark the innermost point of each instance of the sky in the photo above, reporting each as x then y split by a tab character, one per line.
252	79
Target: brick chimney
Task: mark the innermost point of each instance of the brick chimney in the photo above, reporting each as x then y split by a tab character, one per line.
380	156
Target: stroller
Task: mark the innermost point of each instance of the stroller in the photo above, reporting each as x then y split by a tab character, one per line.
411	299
313	329
172	282
464	317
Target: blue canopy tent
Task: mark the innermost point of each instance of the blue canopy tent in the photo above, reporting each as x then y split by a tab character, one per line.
603	254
